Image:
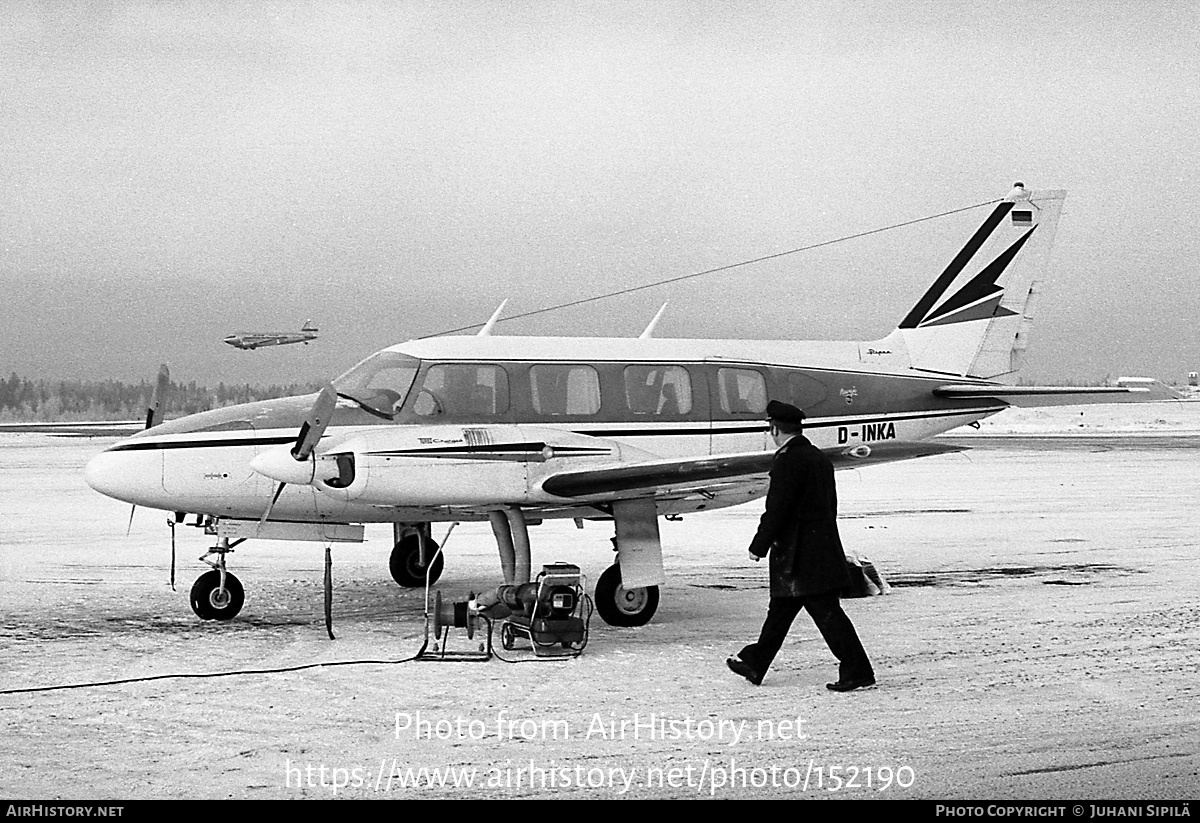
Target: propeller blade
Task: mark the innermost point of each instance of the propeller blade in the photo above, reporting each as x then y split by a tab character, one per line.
158	401
309	436
129	528
314	425
270	506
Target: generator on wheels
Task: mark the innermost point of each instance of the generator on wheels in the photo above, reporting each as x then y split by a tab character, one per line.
548	612
551	613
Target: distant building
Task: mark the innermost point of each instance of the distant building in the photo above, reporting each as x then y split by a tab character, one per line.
1193	379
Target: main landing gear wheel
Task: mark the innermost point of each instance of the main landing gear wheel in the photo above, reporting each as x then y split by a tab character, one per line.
619	606
405	563
211	602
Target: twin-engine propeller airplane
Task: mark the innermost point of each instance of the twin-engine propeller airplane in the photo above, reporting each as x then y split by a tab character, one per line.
514	430
251	340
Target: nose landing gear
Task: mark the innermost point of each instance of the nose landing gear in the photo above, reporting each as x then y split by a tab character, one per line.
217	594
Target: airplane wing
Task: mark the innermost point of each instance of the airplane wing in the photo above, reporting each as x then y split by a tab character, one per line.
1127	390
105	428
662	478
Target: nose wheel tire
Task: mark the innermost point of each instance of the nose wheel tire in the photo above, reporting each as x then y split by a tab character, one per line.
619	606
211	602
405	563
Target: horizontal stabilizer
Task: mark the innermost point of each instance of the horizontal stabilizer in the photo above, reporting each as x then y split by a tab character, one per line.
1127	390
664	476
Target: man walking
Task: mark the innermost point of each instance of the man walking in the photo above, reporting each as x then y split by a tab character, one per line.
808	565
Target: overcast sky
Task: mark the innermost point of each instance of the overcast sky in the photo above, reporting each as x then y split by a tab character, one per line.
173	172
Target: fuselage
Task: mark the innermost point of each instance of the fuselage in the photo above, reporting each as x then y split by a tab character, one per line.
254	340
647	398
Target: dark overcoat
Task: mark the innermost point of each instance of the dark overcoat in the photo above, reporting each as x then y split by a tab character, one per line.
799	526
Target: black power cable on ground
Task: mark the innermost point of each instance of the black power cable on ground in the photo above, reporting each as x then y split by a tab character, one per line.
199	675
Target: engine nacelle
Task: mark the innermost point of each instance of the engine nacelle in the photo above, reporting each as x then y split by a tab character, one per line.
456	465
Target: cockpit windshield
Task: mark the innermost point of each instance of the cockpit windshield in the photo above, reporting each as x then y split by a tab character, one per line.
380	383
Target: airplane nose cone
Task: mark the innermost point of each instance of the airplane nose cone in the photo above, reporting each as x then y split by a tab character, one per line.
129	475
107	474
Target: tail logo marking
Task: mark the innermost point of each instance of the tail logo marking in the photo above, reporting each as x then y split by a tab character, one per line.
979	298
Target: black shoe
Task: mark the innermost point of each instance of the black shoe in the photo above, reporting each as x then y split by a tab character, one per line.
739	666
850	685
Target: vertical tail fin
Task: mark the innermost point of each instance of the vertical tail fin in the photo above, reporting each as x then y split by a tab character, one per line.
974	320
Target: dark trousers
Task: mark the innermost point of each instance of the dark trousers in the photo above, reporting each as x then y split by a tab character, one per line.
834	625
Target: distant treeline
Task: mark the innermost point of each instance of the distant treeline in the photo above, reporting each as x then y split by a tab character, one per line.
44	401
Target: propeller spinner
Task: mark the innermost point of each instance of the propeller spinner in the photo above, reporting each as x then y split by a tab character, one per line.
295	465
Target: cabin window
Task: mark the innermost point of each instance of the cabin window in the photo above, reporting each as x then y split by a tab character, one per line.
380	383
665	390
463	390
560	389
742	391
804	392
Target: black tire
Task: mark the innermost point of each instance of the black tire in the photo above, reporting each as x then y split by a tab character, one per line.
209	603
508	638
623	607
405	563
